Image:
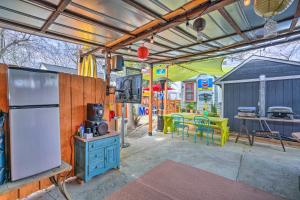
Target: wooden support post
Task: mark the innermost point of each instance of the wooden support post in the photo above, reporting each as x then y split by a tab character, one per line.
108	69
150	100
166	92
262	96
223	98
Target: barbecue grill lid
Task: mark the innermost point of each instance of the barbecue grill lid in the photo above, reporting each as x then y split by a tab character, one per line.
280	109
246	109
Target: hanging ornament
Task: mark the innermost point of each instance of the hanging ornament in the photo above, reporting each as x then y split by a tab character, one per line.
188	25
270	28
152	38
129	49
143	52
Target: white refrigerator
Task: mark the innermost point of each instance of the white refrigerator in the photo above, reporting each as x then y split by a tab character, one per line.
34	121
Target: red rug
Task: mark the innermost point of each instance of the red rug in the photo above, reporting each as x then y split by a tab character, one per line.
175	181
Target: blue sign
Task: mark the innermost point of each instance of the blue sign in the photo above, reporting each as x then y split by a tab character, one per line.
143	110
160	71
205	84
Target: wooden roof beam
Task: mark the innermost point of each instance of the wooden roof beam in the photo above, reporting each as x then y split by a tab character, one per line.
232	23
61	7
135	51
80	17
144	9
250	49
221	37
295	20
153	14
35	31
192	9
241	44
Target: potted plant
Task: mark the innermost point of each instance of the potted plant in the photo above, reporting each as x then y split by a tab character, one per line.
190	107
213	111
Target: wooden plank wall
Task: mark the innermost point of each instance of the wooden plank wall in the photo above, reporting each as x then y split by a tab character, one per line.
278	93
74	92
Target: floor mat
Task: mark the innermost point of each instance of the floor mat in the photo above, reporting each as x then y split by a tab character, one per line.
172	180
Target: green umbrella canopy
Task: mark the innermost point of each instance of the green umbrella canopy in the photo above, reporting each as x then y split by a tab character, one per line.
183	71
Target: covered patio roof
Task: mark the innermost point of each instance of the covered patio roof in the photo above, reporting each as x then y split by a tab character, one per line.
117	24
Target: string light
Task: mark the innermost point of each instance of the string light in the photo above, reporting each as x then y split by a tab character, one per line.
129	49
187	24
152	39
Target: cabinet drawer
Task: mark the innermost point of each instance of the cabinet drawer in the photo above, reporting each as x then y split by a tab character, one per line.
97	155
102	143
96	167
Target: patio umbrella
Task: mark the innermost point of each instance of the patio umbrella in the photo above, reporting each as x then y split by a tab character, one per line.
157	88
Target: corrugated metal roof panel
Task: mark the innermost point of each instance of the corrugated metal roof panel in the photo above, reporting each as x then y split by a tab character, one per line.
235	12
103	17
200	47
230	40
20	18
107	21
221	22
26	8
118	10
77	33
174	37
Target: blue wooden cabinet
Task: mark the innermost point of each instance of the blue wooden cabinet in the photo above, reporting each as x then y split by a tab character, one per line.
97	155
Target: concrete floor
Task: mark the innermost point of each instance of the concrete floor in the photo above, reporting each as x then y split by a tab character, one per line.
263	166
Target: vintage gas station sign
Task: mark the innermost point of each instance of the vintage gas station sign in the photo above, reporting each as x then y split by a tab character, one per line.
205	84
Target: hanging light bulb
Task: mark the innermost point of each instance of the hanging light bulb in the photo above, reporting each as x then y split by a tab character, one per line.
188	25
199	36
152	39
247	3
129	49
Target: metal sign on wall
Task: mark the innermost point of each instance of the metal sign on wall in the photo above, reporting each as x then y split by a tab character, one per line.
205	84
161	71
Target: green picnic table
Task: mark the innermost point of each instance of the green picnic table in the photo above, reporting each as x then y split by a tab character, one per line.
216	123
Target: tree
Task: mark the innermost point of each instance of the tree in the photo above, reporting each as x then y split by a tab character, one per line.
27	50
8	40
287	51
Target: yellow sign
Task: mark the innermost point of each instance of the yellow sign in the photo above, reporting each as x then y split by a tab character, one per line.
146	93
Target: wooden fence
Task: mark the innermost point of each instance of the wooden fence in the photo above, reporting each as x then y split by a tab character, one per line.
74	94
172	105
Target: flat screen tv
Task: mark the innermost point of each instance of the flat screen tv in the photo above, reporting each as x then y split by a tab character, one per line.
129	89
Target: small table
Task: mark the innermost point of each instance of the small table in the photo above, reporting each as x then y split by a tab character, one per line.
220	123
263	121
64	167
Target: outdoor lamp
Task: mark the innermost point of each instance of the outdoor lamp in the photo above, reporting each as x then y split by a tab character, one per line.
247	3
160	121
162	82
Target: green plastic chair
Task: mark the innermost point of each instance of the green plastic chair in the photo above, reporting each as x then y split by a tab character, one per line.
203	125
177	124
